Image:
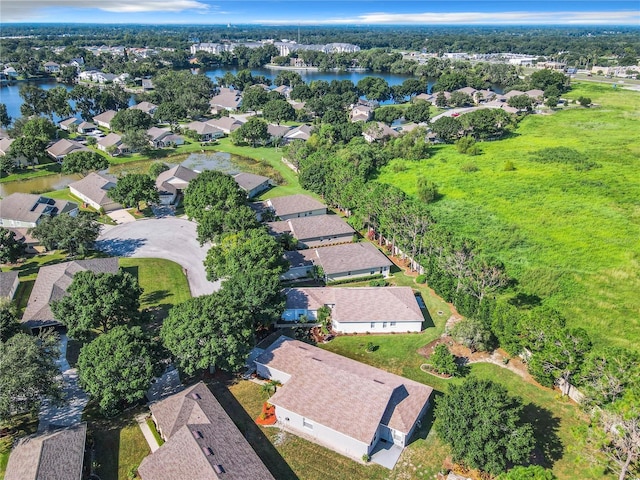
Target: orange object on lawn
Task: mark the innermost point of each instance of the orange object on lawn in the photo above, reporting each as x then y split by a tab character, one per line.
268	415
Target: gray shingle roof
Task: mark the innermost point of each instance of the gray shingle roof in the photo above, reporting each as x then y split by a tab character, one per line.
95	187
193	421
292	204
249	181
52	283
174	179
105	117
50	456
350	257
361	397
110	140
27	207
316	226
7	280
65	147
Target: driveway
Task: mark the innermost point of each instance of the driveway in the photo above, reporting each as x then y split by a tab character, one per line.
121	216
169	238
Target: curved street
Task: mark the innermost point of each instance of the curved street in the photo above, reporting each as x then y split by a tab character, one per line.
170	238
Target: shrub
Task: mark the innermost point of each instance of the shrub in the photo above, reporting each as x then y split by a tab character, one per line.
469	168
366	458
371	347
466	145
356	279
421	279
443	360
509	166
398	167
378	283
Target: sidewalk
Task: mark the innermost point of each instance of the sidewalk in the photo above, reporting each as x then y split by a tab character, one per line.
146	431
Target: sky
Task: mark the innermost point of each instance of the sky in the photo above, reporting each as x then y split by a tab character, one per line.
320	12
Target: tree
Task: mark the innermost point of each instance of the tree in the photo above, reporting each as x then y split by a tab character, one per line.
584	101
134	188
460	99
374	88
136	140
443	361
30	148
532	472
472	334
254	98
156	168
254	131
441	100
9	325
28	372
58	102
552	101
521	102
387	115
171	113
208	331
608	373
484	426
447	128
427	190
545	78
418	112
5	119
34	100
487	123
467	145
116	368
73	234
131	119
83	162
41	128
98	301
11	249
278	111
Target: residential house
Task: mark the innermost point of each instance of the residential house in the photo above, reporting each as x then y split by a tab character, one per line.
64	147
314	231
378	131
226	99
252	184
293	206
296	105
146	107
112	140
77	62
367	405
510	94
104	119
226	124
93	190
69	123
86	127
147	84
171	183
121	79
52	455
359	309
468	91
284	90
535	94
10	72
277	133
51	284
303	132
163	137
361	113
206	132
501	106
51	67
5	147
9	282
201	441
26	210
338	262
102	77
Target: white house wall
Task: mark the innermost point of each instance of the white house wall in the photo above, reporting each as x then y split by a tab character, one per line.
377	327
324	241
310	213
323	435
358	273
272	373
297	272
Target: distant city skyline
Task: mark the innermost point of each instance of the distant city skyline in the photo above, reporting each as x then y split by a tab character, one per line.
318	12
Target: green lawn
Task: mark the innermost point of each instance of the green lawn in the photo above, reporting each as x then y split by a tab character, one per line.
65	194
154	431
570	237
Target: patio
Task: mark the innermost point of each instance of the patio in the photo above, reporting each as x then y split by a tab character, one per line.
386	454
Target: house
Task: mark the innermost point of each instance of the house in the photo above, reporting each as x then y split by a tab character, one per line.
102	77
163	137
511	94
338	262
51	67
468	91
5	147
226	124
340	403
93	189
64	147
284	90
77	62
171	183
52	283
10	72
303	132
206	132
296	105
147	84
314	231
69	123
104	119
146	107
252	184
293	206
359	309
226	99
361	113
535	94
201	441
86	127
52	455
26	210
112	140
9	282
277	133
378	131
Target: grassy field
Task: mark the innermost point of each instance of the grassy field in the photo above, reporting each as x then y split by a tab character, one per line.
570	237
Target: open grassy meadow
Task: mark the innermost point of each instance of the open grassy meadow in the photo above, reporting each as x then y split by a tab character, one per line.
568	236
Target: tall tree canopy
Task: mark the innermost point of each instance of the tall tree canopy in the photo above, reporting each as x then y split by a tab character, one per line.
116	368
98	302
131	119
11	249
483	425
134	188
73	234
83	162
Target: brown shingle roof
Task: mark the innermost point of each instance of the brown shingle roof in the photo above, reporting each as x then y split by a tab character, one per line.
95	187
292	204
52	283
316	226
359	304
227	98
249	181
110	140
65	147
350	257
7	280
51	456
361	397
174	179
193	421
105	117
27	207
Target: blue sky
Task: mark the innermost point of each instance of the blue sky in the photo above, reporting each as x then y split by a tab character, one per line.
319	12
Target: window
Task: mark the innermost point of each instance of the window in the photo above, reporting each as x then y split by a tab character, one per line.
392	324
384	324
307	424
373	272
373	324
348	273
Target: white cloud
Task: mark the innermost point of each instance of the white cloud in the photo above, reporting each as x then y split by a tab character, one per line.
20	10
470	18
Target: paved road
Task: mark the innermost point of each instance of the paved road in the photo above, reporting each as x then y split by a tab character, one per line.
169	238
